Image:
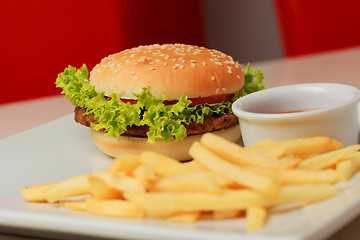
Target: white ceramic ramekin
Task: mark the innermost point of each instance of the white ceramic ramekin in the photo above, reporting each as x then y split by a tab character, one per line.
333	112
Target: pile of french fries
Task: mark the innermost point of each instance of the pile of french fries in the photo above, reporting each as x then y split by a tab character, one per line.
223	181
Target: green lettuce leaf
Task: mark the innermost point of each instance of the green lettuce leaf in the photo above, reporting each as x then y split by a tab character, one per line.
164	121
253	80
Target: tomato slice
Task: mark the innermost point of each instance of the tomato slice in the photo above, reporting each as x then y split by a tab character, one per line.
194	101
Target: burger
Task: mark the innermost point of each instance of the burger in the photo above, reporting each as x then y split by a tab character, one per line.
158	97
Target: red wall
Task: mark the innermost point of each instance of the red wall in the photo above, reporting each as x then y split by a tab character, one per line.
39	38
309	26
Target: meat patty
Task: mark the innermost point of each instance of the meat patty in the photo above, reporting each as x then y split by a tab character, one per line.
210	124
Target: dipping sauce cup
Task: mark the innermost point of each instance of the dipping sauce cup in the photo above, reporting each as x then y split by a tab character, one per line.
299	111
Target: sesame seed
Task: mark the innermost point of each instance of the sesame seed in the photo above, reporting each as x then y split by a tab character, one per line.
151	62
132	73
152	68
213	78
229	71
132	55
193	65
136	78
178	66
204	63
193	61
238	76
165	63
224	89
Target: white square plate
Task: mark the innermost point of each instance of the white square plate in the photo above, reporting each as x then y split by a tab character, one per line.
62	148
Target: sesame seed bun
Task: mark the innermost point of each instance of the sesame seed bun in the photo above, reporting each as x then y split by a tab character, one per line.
175	149
170	70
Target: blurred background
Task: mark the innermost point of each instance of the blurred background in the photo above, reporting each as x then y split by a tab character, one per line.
39	38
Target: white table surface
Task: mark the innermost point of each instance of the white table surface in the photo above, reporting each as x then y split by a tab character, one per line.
341	66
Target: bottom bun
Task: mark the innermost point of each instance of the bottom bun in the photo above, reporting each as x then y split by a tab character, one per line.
176	149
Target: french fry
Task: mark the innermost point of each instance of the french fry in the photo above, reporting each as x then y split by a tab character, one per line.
106	186
309	146
74	186
195	166
75	205
300	176
240	155
347	168
144	172
36	193
113	208
194	182
329	159
162	205
269	148
163	165
232	171
187	217
219	179
265	142
102	186
276	151
123	163
129	184
303	193
255	217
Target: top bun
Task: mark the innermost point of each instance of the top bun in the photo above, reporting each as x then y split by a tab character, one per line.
170	70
